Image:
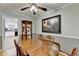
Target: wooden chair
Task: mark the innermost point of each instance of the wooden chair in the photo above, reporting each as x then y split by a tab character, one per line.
55	48
19	50
49	37
40	37
74	52
22	52
48	41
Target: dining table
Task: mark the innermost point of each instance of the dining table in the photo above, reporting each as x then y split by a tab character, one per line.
34	48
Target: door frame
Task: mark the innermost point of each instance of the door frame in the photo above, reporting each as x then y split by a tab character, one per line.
3	29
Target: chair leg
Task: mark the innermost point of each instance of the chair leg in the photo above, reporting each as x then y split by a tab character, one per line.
17	53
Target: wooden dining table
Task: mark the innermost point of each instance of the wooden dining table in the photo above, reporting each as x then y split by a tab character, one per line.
34	48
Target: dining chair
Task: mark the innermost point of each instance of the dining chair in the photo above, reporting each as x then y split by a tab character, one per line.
55	48
49	37
40	37
22	52
74	52
48	41
19	50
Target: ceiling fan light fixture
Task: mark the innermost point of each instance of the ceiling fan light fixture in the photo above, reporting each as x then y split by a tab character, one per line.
33	8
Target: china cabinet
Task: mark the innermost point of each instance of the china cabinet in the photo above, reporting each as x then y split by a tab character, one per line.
26	29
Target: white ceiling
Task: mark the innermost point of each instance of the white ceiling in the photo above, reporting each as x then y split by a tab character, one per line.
15	7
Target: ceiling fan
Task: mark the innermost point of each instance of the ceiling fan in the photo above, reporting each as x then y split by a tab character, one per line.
33	7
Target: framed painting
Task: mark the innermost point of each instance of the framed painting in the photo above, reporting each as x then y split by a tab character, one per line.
52	24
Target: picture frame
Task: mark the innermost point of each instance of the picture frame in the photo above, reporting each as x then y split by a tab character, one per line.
52	24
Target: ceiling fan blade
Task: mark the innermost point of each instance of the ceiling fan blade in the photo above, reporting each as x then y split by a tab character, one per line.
24	8
42	8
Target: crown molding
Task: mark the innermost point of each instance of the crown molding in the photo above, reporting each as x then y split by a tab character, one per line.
57	9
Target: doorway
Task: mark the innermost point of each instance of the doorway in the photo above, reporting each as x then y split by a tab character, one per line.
9	29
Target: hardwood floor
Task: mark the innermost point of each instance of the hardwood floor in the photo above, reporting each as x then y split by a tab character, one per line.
9	52
9	47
